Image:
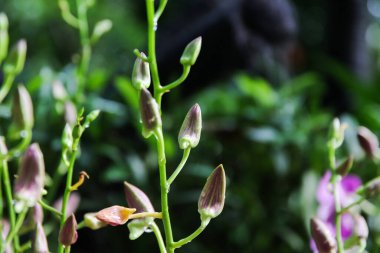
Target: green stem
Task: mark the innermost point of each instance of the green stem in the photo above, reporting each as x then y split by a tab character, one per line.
50	208
188	239
9	199
158	235
67	249
181	79
185	156
160	10
81	225
66	195
6	87
26	139
25	246
67	15
164	190
346	208
86	48
152	26
362	245
13	232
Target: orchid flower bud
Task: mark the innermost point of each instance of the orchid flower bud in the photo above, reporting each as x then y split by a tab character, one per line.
191	52
14	64
190	132
141	74
324	240
4	37
150	113
40	244
22	110
137	199
68	234
101	28
368	141
115	215
336	134
29	184
345	167
70	113
211	200
92	222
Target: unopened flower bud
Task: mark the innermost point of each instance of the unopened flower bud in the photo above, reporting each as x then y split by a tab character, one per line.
16	59
336	134
211	200
4	37
368	141
370	189
324	240
361	227
29	184
115	215
93	115
40	244
101	27
190	132
70	113
58	90
150	113
141	74
137	199
92	222
191	52
22	109
68	234
345	167
3	147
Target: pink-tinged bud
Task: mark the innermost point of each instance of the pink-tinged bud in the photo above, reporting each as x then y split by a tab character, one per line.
346	166
211	200
191	52
137	199
40	244
22	109
38	214
141	74
190	132
368	141
324	241
92	222
361	227
150	113
68	234
115	215
58	90
70	113
29	184
72	203
4	225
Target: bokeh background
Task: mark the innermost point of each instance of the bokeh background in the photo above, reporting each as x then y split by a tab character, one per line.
271	76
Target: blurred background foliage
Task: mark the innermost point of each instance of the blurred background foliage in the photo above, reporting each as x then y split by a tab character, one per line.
266	111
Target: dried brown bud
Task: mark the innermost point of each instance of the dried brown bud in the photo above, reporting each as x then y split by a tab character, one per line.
324	241
211	200
345	167
368	141
68	234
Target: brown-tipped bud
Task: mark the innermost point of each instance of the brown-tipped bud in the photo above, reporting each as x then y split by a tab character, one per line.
211	200
368	141
324	241
22	110
115	215
29	184
141	74
191	52
370	189
345	166
137	199
16	59
40	244
190	132
92	222
68	234
361	227
150	113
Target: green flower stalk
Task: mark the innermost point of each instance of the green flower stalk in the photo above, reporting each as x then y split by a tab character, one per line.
4	37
